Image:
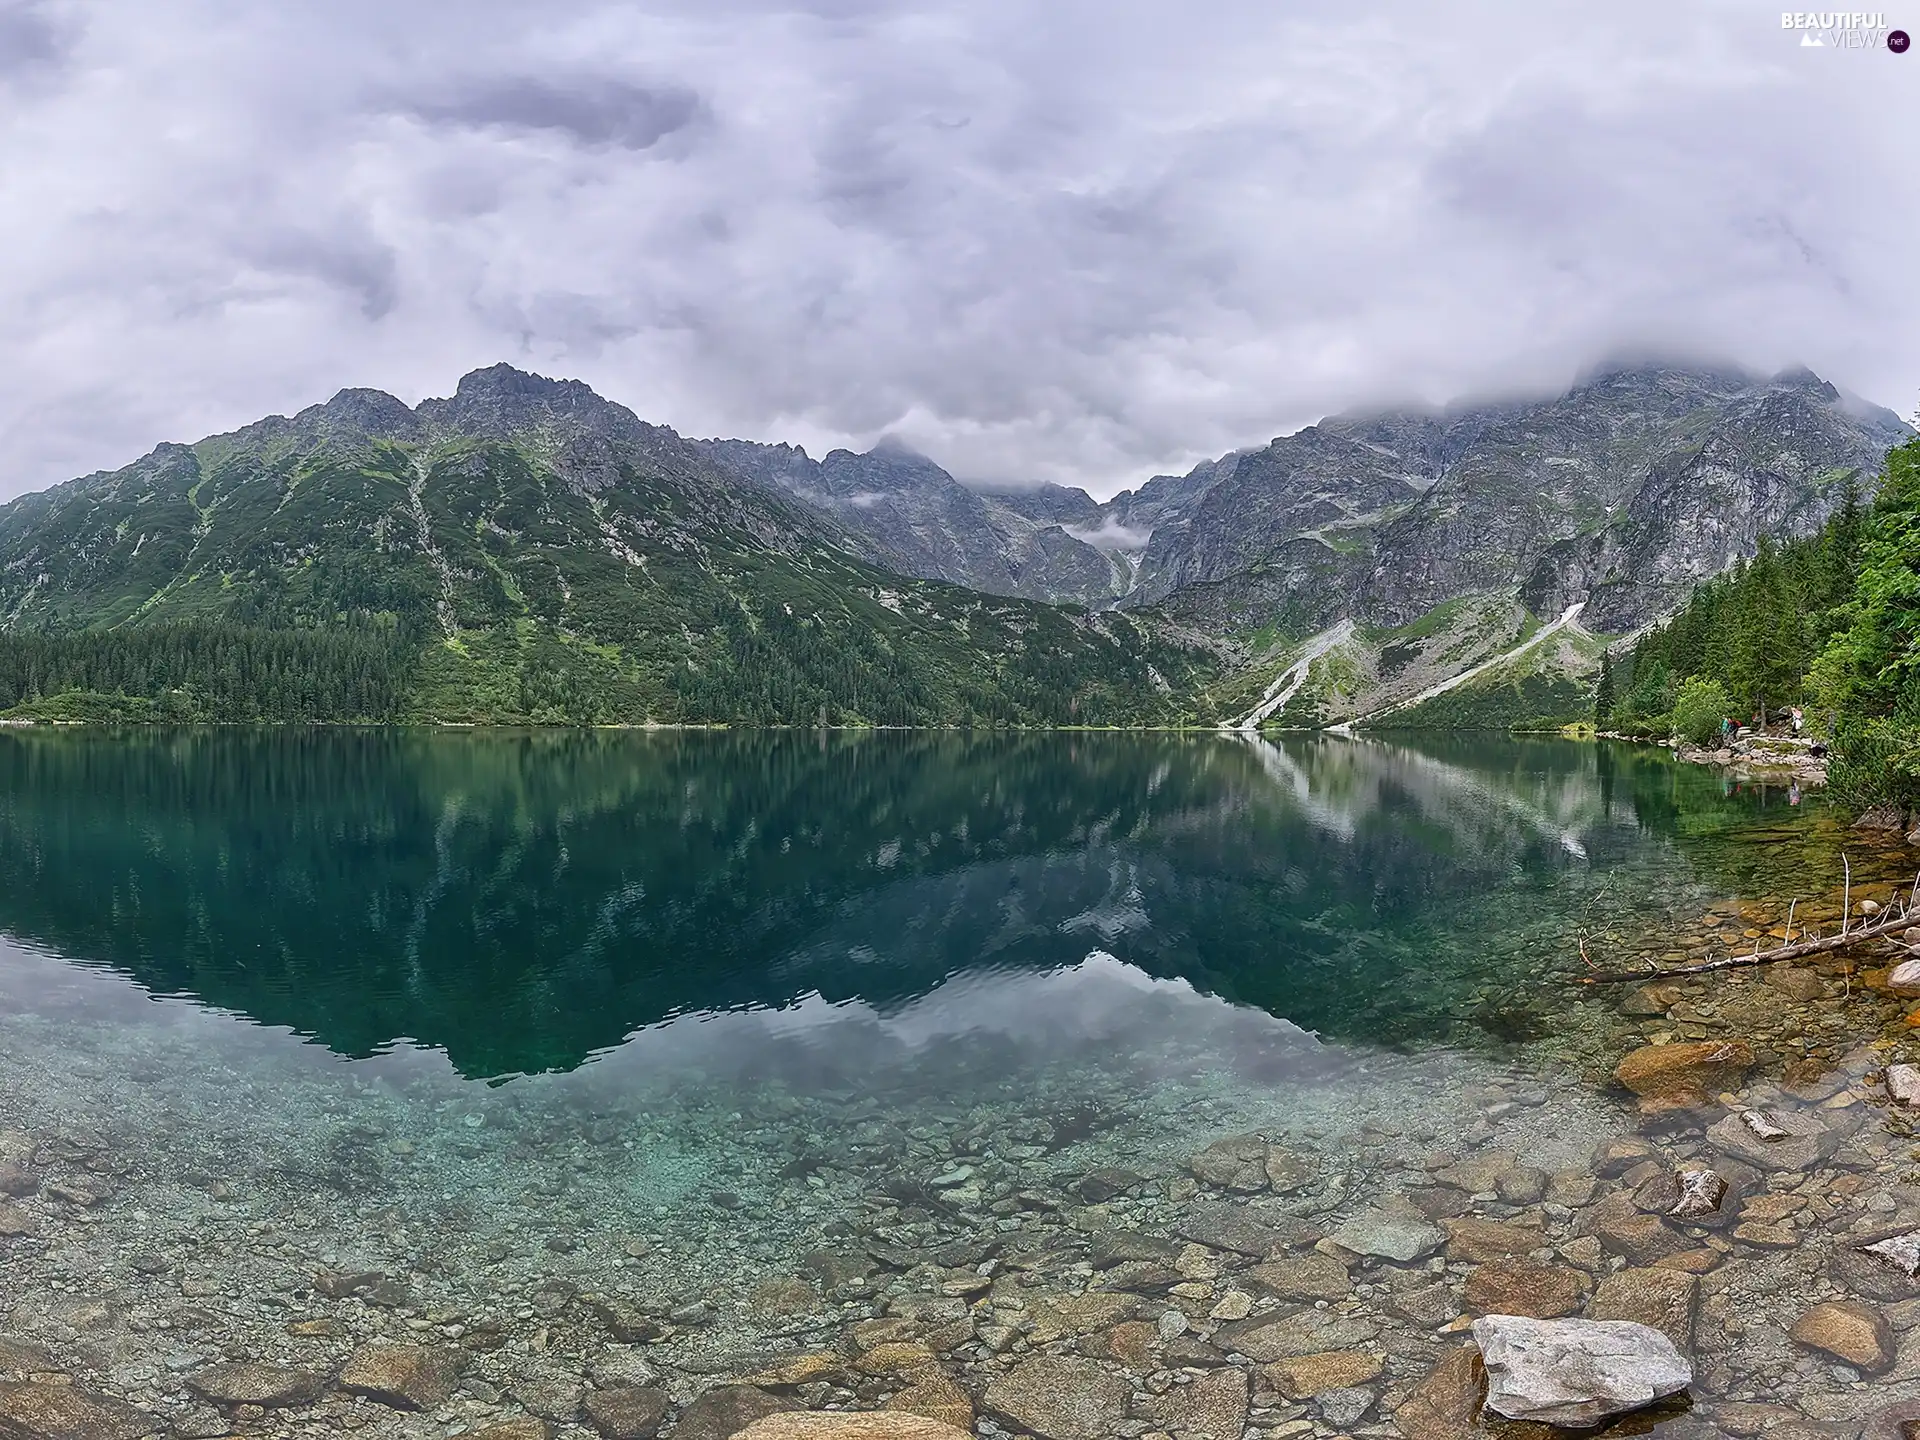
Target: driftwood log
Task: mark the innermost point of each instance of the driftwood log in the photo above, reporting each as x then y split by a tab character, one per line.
1899	915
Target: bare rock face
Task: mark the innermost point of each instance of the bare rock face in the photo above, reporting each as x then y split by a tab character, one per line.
1851	1332
1576	1372
1670	1077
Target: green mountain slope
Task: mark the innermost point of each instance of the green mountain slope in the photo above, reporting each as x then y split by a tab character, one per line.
535	553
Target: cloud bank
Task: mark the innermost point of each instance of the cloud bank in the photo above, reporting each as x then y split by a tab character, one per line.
1074	242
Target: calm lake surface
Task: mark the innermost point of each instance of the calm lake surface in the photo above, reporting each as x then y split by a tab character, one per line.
648	1059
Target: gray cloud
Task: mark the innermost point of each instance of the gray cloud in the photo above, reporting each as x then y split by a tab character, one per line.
1078	242
589	110
32	38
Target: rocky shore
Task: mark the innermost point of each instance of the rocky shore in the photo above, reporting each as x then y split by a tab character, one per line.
1780	759
1719	1176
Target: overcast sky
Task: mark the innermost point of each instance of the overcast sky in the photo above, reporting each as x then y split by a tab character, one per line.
1083	240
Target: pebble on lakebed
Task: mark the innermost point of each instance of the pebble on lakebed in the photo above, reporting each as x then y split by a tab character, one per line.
1415	1246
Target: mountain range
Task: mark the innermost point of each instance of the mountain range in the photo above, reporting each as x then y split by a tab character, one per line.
554	556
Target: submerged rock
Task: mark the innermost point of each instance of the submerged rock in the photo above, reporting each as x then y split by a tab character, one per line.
1668	1077
34	1410
1231	1227
1518	1287
626	1412
1305	1376
1057	1397
1249	1164
407	1377
723	1413
256	1382
1445	1405
1661	1299
1780	1140
1214	1406
1849	1331
1303	1277
1396	1231
850	1425
1576	1372
1700	1193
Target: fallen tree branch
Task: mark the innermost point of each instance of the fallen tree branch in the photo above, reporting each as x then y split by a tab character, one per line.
1899	917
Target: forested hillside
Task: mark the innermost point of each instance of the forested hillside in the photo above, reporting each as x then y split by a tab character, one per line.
524	551
1830	623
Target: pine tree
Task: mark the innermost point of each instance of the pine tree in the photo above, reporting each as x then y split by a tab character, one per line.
1603	692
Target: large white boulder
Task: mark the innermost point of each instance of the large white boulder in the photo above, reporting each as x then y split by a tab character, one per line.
1576	1372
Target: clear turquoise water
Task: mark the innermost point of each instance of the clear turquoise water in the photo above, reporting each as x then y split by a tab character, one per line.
662	1014
524	903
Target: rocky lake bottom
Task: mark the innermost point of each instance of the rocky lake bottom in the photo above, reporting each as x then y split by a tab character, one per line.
1070	1203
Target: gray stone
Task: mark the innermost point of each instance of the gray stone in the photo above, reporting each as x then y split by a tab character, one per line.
1346	1407
1231	1227
1395	1232
1900	1251
1778	1140
1238	1162
1903	1084
1576	1372
1308	1332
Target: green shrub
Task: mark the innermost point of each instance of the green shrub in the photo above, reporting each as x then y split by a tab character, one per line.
1875	764
1699	709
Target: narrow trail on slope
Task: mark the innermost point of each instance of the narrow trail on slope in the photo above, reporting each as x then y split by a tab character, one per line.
1288	682
1567	619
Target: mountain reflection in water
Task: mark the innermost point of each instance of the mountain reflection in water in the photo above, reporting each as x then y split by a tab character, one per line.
524	901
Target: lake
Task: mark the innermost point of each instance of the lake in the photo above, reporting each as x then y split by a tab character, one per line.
613	1062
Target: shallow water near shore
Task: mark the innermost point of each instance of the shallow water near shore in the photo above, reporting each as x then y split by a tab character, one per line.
653	1063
